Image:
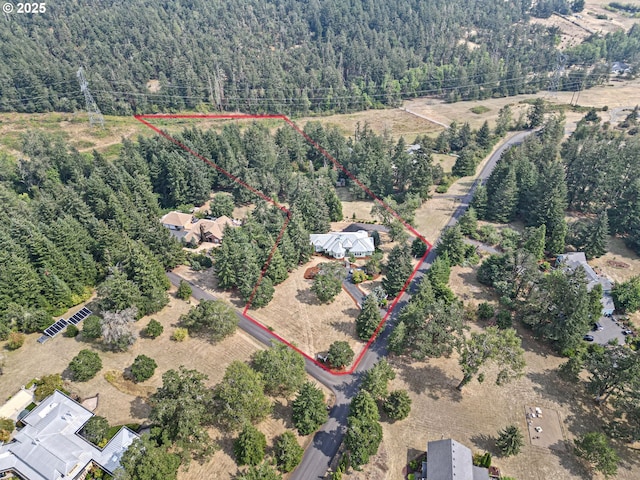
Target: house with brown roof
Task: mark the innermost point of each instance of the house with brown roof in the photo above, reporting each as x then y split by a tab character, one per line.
189	229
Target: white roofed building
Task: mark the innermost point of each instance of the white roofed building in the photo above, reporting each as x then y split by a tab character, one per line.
341	244
49	446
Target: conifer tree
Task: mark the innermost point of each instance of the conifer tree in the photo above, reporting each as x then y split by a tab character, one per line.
368	318
398	270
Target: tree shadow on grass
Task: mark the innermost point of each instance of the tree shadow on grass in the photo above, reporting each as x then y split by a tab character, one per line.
485	443
569	461
431	380
139	408
307	297
346	327
282	411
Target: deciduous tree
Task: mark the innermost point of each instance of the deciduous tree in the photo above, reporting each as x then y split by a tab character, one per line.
239	398
183	408
212	319
85	365
282	369
499	346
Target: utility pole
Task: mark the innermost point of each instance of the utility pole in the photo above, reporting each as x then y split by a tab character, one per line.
95	117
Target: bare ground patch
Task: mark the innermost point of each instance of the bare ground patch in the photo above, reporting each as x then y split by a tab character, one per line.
619	263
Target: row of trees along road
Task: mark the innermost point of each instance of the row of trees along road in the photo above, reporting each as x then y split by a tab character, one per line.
590	173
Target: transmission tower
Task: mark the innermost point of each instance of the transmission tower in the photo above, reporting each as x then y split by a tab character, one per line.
554	81
95	117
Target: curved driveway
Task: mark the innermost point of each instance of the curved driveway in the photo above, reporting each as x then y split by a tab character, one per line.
327	440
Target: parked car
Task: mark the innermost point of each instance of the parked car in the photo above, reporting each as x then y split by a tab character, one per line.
588	338
627	332
597	327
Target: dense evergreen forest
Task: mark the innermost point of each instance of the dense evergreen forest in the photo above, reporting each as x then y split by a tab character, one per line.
594	174
282	55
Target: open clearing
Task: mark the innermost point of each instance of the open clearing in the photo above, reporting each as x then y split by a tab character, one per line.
474	417
615	94
575	28
395	121
36	360
296	315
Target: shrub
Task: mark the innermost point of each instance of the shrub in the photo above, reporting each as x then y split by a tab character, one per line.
180	334
96	429
71	331
47	385
6	427
504	320
85	365
358	276
91	328
485	311
154	329
143	368
16	340
184	291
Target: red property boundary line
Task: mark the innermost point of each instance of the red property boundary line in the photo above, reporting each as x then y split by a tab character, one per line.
239	116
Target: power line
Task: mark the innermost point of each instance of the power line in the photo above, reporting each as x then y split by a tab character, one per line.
92	107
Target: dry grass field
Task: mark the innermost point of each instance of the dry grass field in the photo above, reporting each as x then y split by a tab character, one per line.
122	401
474	417
577	27
296	315
615	95
396	122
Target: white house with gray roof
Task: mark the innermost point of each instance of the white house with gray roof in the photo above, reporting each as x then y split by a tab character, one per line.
341	244
49	446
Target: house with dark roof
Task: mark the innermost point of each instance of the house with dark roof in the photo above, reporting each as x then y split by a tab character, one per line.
450	460
49	446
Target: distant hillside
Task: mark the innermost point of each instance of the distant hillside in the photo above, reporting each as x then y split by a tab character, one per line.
268	55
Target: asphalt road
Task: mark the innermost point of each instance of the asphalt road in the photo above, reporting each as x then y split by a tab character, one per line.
327	440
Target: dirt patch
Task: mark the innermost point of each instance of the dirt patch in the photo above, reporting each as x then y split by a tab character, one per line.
311	272
617	264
